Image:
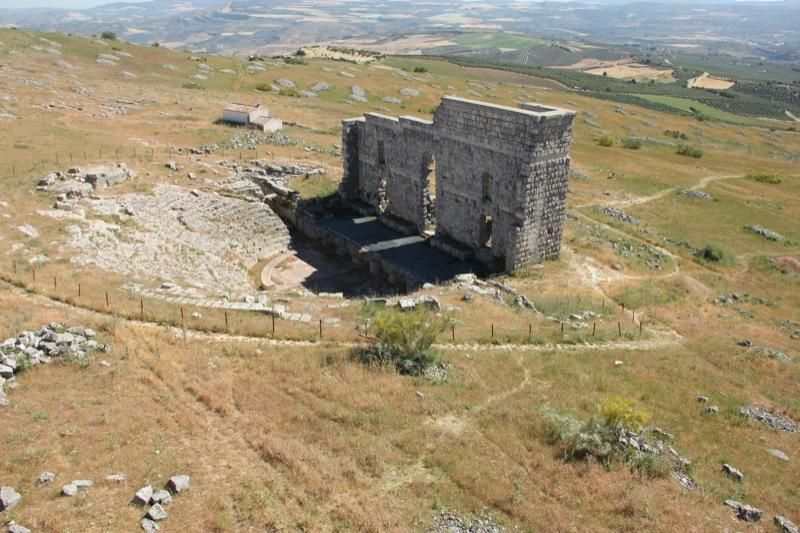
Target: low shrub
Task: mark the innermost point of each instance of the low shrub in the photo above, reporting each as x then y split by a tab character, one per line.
765	177
632	143
108	36
403	339
689	151
263	87
420	70
675	134
605	140
711	253
192	85
621	412
289	91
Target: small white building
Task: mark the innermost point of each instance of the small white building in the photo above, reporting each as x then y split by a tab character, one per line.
256	116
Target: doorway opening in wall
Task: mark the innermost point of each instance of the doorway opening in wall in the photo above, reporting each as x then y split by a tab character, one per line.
429	195
486	231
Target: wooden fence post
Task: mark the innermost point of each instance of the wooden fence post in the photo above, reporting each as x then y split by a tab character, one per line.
594	328
226	320
273	326
619	328
530	332
106	298
141	306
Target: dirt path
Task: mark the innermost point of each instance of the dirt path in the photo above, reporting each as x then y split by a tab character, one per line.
639	200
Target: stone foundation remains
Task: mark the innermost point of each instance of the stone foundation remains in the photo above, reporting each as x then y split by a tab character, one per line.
487	181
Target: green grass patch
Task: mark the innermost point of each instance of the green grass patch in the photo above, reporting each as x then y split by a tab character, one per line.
649	293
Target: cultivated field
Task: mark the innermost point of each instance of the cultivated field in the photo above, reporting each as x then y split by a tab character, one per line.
287	430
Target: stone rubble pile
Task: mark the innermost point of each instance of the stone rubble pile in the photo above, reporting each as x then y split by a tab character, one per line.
77	183
745	513
146	496
766	233
247	139
492	289
447	522
697	195
49	342
773	420
613	212
638	444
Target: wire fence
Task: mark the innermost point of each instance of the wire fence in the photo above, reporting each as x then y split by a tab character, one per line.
343	324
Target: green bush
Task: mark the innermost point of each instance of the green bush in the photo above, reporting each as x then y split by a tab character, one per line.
765	177
289	91
711	253
420	70
108	36
605	140
192	85
675	134
294	60
689	151
264	87
403	339
632	143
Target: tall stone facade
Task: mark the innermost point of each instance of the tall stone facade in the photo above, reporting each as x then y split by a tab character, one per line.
488	181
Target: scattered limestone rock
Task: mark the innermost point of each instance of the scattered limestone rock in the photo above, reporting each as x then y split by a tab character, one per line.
285	84
29	230
16	528
357	94
116	478
785	525
143	495
45	478
162	496
711	410
391	100
178	483
702	399
407	91
69	490
8	498
732	472
157	513
746	513
127	75
778	454
321	86
149	526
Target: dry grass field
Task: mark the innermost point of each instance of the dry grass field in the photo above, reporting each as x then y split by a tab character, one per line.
291	432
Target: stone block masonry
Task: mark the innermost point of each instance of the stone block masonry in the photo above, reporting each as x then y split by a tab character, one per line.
488	181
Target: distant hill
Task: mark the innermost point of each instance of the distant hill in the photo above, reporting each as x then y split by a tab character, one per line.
271	26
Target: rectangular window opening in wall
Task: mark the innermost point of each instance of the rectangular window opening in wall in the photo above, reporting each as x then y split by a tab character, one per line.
381	153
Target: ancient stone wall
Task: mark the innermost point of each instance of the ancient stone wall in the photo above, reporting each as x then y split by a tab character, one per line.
500	176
